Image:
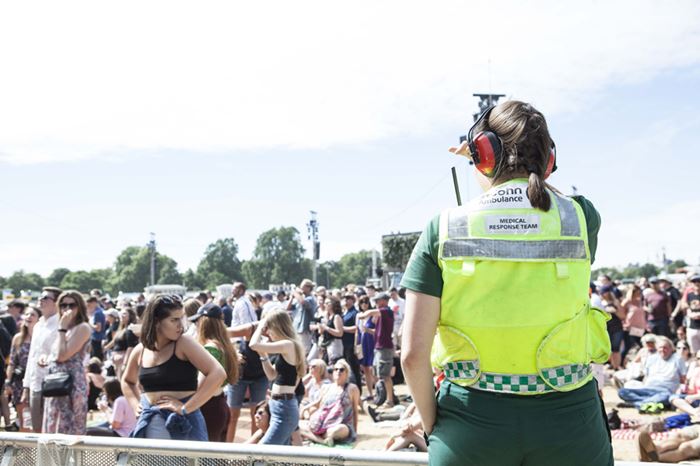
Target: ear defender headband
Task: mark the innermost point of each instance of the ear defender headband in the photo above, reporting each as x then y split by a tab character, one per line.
486	149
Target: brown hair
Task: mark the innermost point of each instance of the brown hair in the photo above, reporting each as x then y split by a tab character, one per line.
335	305
81	315
213	329
24	328
124	326
281	323
158	309
113	389
191	305
53	290
526	147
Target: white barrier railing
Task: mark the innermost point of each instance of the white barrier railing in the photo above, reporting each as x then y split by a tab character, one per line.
19	449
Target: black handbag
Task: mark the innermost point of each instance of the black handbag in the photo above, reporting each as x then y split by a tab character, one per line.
57	384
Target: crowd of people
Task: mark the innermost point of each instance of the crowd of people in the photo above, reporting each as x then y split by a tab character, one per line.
305	364
654	331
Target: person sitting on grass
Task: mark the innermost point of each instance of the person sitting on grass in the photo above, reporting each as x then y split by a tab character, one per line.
681	445
262	420
333	418
663	374
411	432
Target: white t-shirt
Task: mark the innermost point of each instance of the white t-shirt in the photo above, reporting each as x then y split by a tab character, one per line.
397	305
243	312
664	373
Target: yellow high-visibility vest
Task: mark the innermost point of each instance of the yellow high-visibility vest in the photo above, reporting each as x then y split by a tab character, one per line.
515	311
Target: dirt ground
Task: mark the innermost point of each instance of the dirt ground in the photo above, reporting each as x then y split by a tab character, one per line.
373	436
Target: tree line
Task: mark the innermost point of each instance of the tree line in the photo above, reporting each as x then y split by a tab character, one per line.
278	258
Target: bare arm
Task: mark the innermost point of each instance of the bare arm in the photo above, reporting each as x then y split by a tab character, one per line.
205	363
130	379
268	368
420	324
68	347
369	313
338	324
244	330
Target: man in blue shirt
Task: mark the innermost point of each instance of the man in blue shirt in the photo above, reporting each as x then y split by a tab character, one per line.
97	322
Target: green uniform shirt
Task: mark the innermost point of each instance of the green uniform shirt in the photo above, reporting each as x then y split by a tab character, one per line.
424	275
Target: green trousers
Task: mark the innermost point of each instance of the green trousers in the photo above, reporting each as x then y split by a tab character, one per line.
481	428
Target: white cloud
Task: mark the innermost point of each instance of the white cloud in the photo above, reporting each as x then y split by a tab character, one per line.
87	79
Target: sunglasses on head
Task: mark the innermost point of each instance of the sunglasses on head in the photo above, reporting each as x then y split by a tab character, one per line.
170	299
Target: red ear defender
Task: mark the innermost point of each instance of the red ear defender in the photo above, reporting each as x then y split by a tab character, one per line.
551	162
486	146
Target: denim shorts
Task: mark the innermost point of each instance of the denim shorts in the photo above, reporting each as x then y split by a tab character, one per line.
235	394
284	419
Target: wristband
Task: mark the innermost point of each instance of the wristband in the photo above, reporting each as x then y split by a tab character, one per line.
63	330
183	411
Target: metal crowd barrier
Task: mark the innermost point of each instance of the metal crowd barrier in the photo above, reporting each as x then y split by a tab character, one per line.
20	449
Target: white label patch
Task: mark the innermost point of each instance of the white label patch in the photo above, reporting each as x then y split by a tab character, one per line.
512	224
509	197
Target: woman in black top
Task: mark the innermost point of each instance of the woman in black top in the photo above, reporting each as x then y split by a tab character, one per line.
124	341
165	364
276	335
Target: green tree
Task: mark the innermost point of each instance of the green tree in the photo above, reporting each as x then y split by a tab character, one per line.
3	282
56	277
192	280
278	257
675	265
82	281
20	280
220	264
611	272
351	268
644	270
132	269
397	249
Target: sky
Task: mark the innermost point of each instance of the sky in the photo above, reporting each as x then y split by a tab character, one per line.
206	120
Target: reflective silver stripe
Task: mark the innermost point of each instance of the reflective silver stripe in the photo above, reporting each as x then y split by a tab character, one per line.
458	225
506	249
570	225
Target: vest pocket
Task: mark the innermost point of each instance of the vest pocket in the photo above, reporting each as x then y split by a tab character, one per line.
565	354
598	340
455	353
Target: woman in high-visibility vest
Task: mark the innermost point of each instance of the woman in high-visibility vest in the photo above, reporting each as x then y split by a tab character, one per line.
498	289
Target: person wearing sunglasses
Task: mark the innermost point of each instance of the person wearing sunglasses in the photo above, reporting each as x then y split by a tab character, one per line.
44	337
262	421
160	379
68	414
498	289
333	418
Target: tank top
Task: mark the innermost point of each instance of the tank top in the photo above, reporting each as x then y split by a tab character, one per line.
286	373
173	375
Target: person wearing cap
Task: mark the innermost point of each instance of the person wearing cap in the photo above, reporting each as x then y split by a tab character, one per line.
497	301
689	305
384	343
658	307
212	335
303	307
